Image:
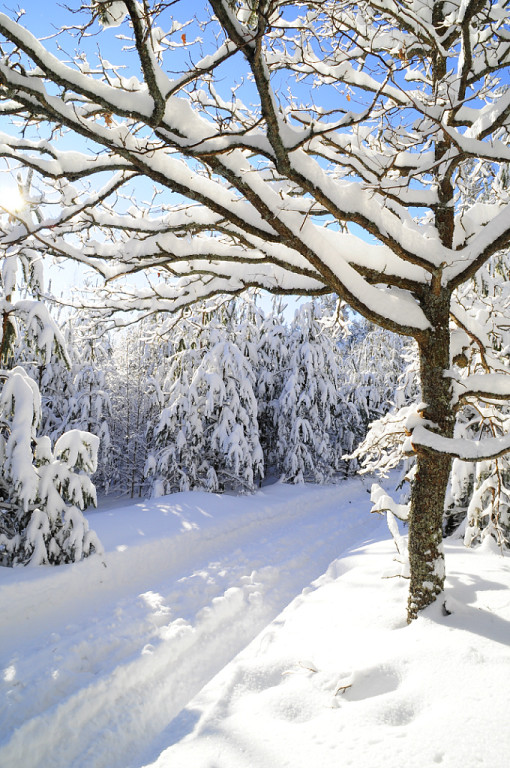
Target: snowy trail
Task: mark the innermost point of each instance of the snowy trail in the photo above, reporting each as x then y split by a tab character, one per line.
121	647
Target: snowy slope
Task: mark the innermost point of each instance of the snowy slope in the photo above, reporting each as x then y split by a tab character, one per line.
98	657
207	638
340	680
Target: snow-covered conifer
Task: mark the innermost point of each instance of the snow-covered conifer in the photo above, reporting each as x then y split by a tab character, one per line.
307	403
42	490
87	396
207	435
131	359
272	370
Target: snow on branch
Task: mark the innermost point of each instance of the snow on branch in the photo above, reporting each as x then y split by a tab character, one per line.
355	192
459	448
382	502
493	386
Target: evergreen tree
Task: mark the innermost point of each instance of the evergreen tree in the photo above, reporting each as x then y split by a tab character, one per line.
42	490
207	435
308	402
89	406
370	373
131	365
273	355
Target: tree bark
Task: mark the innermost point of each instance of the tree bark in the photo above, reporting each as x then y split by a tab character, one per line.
433	469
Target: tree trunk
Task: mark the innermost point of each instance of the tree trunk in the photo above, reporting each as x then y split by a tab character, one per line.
433	469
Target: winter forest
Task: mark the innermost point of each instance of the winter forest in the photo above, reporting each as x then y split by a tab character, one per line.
250	250
225	398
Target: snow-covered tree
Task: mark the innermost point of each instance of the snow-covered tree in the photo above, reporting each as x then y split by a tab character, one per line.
42	490
273	352
349	182
129	371
87	397
370	372
207	435
307	404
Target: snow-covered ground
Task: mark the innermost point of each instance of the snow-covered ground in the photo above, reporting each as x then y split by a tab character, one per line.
253	632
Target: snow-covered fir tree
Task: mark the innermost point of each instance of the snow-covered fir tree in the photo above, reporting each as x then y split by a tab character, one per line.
43	489
89	406
207	434
133	361
273	352
373	364
54	376
307	404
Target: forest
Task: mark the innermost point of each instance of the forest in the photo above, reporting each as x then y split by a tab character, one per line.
225	397
254	383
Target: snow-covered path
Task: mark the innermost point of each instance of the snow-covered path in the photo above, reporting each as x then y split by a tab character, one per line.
99	657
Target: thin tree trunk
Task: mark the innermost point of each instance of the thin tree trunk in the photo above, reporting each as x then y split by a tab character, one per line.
433	469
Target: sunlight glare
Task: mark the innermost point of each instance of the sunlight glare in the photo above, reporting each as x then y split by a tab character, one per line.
11	200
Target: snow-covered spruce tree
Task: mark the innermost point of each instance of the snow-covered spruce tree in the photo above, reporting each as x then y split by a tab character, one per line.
307	405
175	458
42	490
88	399
407	95
53	373
273	352
372	361
207	435
130	360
